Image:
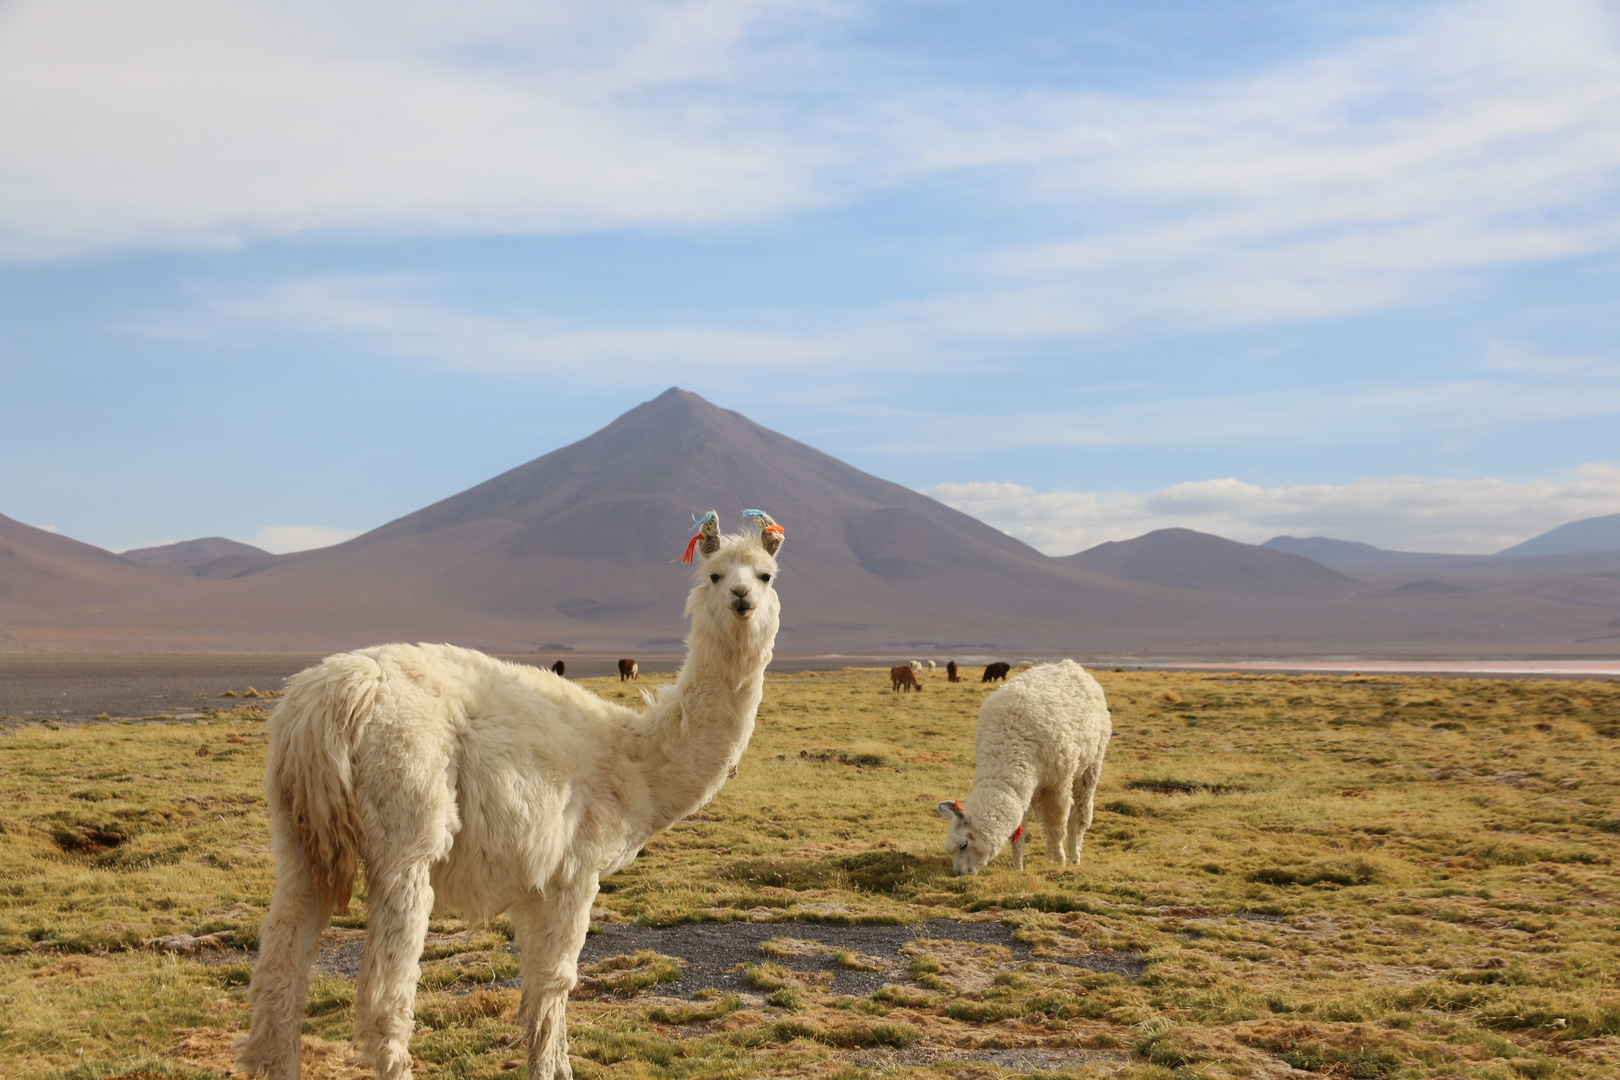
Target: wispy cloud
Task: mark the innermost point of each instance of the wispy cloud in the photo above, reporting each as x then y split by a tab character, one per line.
1405	513
401	316
410	317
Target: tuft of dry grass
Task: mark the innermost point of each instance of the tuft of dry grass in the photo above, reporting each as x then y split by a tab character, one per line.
1375	877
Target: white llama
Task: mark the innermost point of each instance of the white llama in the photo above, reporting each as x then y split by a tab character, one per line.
463	782
1040	742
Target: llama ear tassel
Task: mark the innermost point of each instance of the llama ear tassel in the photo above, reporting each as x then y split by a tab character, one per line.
770	533
951	809
707	539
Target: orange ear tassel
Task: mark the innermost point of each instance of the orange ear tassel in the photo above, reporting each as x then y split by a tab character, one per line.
691	545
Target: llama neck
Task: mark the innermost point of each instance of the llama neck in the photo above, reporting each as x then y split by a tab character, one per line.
688	742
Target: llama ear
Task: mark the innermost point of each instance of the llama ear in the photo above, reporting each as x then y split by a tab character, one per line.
709	534
770	533
951	811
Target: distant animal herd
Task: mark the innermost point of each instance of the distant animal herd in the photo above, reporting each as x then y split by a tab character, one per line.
910	676
470	784
902	677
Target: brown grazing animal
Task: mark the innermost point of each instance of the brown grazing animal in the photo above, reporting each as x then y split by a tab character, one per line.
950	672
557	668
903	678
628	670
997	670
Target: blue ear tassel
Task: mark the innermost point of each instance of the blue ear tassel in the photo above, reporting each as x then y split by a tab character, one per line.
753	513
699	522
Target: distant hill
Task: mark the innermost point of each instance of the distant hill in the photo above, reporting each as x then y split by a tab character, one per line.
1393	568
212	556
1185	559
1586	535
1330	552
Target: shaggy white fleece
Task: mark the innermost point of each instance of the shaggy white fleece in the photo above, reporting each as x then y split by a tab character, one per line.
1040	743
466	783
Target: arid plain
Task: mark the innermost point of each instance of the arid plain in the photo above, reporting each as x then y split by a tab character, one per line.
1289	875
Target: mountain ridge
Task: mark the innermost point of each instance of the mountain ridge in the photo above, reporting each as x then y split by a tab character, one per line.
574	548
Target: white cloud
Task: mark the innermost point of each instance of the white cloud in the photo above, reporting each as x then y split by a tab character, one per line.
183	122
282	539
1403	513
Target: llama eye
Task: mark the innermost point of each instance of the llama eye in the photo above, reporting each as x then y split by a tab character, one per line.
765	577
962	846
714	579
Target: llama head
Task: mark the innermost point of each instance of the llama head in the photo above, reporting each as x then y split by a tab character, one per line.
733	581
965	844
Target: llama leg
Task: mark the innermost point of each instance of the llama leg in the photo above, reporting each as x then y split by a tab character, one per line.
1055	809
550	932
288	941
399	901
1085	792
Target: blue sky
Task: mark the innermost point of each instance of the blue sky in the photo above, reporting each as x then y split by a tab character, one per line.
285	271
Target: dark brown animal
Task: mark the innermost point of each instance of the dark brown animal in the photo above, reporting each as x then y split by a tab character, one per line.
557	668
997	670
903	678
950	672
628	669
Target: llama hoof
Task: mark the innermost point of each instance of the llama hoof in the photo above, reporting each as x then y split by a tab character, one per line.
549	1066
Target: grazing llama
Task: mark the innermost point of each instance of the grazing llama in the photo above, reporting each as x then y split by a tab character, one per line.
466	783
902	677
1040	742
629	669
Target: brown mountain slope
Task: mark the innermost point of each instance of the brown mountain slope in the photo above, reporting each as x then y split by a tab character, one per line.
40	569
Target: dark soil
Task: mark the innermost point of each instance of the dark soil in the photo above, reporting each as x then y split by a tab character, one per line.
716	954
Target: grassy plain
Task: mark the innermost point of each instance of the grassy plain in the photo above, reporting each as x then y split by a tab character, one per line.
1361	877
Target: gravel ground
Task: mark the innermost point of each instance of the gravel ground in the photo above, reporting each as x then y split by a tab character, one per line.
716	953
